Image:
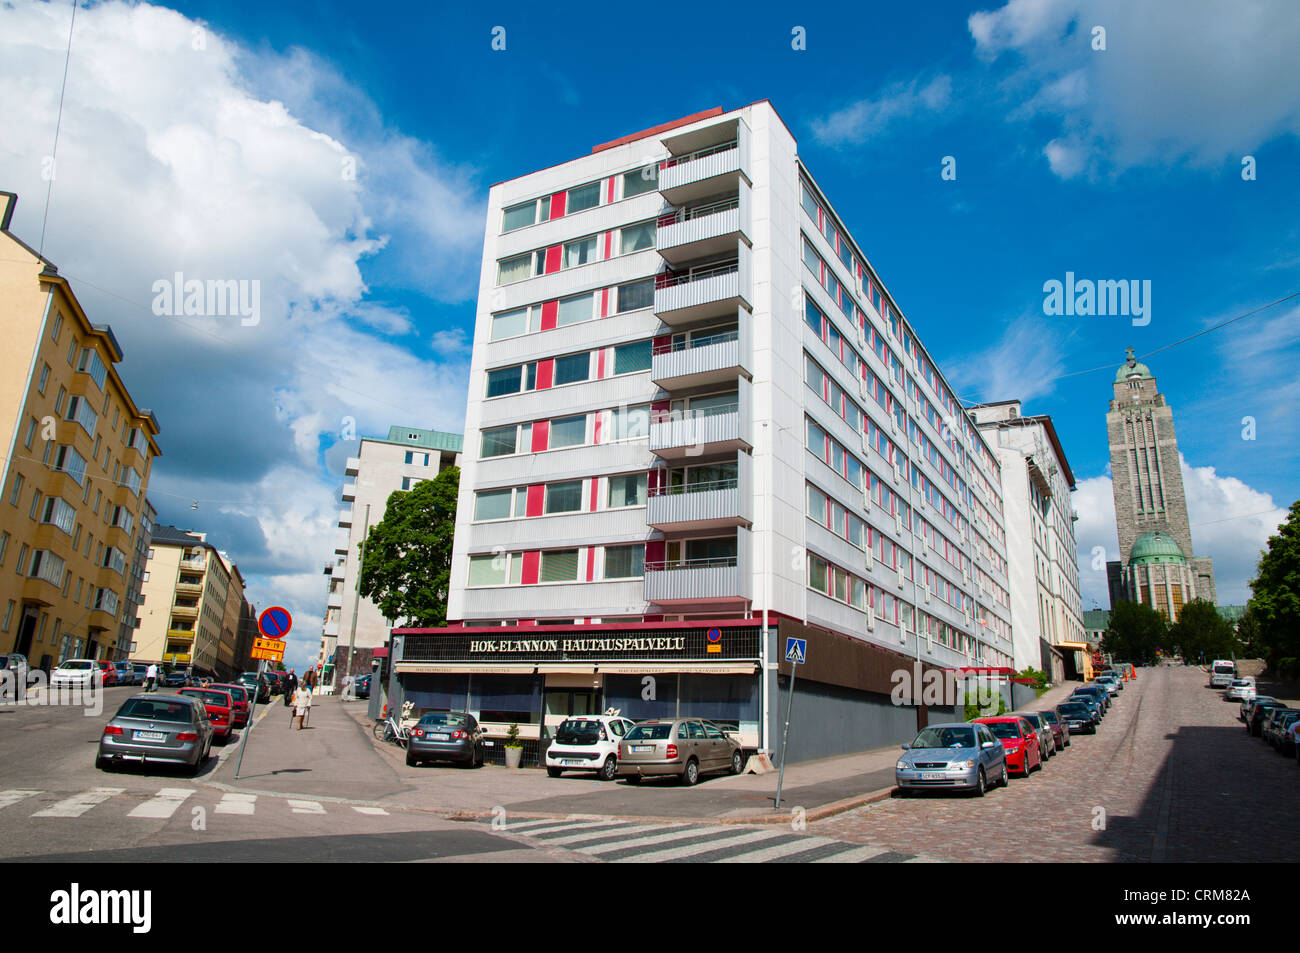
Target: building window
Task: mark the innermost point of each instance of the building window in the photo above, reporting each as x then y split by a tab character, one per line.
515	269
499	442
568	432
58	327
579	252
489	570
630	423
559	565
492	504
16	493
509	324
503	381
582	198
634	238
642	180
45	379
91	364
625	562
628	490
519	216
575	309
572	368
9	614
564	497
629	358
636	295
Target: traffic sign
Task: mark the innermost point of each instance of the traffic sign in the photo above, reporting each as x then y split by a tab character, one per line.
796	650
275	622
267	655
269	645
715	641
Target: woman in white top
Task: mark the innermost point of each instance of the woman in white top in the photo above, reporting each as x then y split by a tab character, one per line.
302	704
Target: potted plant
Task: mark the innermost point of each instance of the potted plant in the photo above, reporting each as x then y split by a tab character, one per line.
514	750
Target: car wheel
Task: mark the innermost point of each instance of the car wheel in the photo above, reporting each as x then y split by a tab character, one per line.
980	785
691	773
554	772
104	764
608	770
737	761
1006	776
410	759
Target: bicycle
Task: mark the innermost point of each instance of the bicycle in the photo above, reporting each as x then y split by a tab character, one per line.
394	731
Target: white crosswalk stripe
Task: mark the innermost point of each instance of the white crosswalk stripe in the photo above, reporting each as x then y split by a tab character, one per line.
233	803
372	811
13	796
615	842
78	804
163	804
306	807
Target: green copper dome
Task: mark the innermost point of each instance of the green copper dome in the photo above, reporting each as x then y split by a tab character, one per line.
1150	548
1131	368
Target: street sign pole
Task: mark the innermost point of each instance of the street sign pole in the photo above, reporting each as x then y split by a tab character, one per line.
252	712
795	653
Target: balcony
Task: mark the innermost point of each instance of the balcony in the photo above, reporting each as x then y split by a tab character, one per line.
185	612
194	587
353	467
704	162
335	600
715	505
712	359
331	629
722	429
194	563
702	231
348	493
710	290
701	581
345	519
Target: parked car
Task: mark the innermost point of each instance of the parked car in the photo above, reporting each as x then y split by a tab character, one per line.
446	736
176	678
251	680
957	756
239	698
1110	683
1248	705
1059	727
1079	717
1046	740
1096	692
170	729
588	743
125	673
1092	704
1271	722
220	707
18	675
684	747
1279	730
1257	714
1239	689
361	686
77	673
1018	738
139	671
108	673
276	680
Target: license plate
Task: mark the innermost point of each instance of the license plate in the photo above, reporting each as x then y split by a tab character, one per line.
572	764
640	748
932	775
149	736
440	737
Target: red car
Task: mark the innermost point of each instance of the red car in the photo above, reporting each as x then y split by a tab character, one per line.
220	708
239	695
1019	739
108	672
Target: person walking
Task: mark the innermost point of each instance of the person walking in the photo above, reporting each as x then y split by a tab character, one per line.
150	677
302	705
290	686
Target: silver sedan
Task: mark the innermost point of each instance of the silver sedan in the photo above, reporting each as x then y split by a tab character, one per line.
171	729
957	755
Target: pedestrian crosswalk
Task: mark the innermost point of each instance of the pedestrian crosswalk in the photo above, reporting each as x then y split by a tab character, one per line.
164	803
614	841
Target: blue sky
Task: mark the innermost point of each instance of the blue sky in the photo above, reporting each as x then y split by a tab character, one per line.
223	159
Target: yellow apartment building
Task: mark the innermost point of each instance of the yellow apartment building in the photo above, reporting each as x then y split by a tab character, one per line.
77	458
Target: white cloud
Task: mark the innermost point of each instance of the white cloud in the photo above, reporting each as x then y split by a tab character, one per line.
1003	371
1196	81
858	122
224	163
1230	522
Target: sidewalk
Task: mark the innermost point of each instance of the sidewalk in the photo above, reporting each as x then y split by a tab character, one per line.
338	758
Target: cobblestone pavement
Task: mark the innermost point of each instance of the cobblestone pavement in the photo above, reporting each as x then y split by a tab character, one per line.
1170	776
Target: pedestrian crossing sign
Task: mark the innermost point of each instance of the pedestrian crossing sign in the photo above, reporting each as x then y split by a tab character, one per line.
796	650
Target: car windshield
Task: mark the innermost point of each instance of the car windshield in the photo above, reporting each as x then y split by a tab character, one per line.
446	719
649	733
1004	729
1050	717
235	692
1224	668
945	738
220	699
157	709
77	666
580	725
1074	709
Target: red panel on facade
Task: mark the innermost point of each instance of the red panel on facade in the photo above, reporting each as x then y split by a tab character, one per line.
591	550
552	259
532	567
609	190
609	245
557	204
652	480
541	433
595	438
659	409
536	500
662	342
653	618
550	314
604	302
654	551
545	373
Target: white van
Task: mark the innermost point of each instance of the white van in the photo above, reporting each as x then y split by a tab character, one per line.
1222	672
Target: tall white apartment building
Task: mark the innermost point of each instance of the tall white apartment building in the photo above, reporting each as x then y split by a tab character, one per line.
381	467
1046	606
698	425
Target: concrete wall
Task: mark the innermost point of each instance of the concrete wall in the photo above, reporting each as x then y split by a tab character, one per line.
1023	697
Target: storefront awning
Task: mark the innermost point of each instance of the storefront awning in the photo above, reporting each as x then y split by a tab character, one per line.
730	667
447	668
655	668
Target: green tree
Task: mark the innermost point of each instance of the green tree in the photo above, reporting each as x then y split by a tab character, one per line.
1275	603
1248	635
1202	634
1134	633
406	569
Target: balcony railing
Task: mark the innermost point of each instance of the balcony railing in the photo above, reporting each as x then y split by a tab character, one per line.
718	579
670	280
714	504
675	346
710	429
685	565
695	175
716	358
711	290
693	212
